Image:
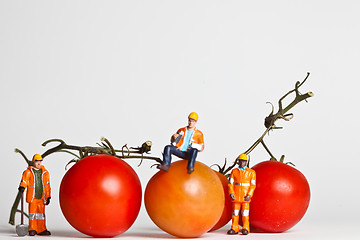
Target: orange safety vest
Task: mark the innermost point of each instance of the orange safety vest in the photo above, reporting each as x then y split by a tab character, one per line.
197	139
242	183
28	181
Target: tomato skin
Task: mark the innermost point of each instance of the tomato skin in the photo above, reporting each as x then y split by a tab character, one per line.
100	196
185	205
227	210
281	197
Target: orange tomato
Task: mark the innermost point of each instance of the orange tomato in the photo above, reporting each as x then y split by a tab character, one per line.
227	210
182	204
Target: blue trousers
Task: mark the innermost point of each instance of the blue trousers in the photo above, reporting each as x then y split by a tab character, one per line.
190	155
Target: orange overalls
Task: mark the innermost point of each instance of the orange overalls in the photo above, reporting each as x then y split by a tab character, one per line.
241	183
36	206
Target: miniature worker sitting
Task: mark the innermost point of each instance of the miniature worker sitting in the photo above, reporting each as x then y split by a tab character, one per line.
185	144
37	181
242	184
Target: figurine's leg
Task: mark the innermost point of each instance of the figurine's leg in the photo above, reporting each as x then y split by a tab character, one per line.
245	217
32	220
192	154
37	216
41	216
235	217
167	155
168	151
179	153
172	150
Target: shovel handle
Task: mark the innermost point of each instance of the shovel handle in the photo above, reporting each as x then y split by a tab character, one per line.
22	208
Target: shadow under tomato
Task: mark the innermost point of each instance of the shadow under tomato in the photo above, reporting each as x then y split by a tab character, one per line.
149	233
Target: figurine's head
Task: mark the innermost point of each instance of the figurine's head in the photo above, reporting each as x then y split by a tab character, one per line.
37	161
193	117
242	160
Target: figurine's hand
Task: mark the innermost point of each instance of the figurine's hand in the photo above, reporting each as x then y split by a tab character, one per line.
21	189
48	201
232	197
247	198
175	136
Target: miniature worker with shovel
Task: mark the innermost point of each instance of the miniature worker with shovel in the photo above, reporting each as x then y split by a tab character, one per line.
37	181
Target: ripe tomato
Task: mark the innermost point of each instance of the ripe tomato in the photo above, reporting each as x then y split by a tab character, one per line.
227	210
185	205
281	197
100	196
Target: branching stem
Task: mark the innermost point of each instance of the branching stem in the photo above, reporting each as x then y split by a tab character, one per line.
272	118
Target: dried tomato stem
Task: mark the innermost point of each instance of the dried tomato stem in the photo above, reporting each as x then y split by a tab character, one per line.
272	118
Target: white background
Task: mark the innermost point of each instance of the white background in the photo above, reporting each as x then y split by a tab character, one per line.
132	71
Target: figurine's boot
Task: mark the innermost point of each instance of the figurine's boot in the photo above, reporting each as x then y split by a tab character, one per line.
232	232
244	231
45	233
37	215
163	167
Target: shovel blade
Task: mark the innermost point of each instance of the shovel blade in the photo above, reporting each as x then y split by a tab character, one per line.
22	230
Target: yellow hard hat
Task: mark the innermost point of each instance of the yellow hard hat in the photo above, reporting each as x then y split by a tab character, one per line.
194	115
37	157
243	157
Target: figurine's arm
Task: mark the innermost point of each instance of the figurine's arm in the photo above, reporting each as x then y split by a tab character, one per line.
231	186
176	135
252	184
173	137
199	145
47	185
24	180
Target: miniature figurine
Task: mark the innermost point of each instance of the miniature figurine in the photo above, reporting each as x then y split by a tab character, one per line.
242	184
185	144
37	181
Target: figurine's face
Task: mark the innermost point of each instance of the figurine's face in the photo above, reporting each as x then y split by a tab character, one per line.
191	123
242	163
37	164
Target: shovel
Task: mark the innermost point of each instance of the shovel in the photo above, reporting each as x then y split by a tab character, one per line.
22	229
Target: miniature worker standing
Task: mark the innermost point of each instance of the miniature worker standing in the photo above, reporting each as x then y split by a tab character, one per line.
37	181
242	183
185	144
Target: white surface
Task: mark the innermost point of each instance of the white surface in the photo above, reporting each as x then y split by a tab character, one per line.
132	70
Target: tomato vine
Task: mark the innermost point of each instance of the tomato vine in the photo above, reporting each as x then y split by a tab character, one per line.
270	123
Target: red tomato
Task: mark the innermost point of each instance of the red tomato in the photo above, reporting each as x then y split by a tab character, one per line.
227	210
185	205
100	196
281	197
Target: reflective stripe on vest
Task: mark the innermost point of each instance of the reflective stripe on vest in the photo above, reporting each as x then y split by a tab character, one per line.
242	184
